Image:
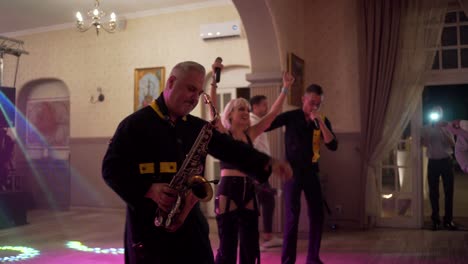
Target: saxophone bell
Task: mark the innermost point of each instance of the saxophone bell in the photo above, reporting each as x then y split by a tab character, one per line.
191	189
201	188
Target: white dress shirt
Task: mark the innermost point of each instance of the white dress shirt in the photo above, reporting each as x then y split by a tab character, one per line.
261	143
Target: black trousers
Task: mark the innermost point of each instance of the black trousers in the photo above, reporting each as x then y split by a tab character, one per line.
308	182
440	168
147	244
240	224
266	201
237	226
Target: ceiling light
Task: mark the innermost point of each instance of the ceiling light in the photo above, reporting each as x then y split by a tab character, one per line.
96	14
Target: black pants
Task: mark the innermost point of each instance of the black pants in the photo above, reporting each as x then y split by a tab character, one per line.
435	169
147	244
232	227
310	184
266	201
239	225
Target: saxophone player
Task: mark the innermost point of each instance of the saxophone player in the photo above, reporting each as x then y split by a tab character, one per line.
145	153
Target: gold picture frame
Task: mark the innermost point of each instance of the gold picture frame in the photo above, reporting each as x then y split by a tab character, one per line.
296	68
149	83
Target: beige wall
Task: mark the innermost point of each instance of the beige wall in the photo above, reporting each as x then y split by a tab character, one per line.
331	55
84	61
325	34
289	26
332	61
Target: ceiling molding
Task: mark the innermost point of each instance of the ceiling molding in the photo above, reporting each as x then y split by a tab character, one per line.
39	30
126	16
175	9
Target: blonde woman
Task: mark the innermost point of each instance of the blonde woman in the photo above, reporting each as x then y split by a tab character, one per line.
235	204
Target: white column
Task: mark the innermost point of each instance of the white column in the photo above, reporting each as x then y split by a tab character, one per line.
269	84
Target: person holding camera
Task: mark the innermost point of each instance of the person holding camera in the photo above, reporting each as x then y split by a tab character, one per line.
439	143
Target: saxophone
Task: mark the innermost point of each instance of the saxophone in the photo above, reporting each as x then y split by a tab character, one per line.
190	185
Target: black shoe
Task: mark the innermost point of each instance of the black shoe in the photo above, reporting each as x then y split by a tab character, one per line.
450	226
435	226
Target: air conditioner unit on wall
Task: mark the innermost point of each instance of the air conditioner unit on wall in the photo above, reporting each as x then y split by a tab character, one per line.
220	30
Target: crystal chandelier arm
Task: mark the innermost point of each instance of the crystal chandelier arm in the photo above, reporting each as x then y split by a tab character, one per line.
110	28
80	25
96	14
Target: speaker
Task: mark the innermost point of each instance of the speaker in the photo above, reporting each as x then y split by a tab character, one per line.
14	207
7	106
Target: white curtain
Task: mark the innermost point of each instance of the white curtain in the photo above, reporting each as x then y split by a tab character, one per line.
420	28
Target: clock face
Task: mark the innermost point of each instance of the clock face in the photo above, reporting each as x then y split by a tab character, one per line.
148	89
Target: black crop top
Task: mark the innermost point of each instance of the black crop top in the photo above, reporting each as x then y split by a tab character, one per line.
228	166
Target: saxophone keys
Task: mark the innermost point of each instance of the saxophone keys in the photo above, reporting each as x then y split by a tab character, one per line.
168	221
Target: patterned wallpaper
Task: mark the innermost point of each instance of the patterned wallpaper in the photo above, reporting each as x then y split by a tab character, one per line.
321	32
85	62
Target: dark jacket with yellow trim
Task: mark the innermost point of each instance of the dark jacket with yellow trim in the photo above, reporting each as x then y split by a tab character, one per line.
146	144
299	138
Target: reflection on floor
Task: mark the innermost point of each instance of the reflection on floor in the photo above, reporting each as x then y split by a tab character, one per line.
49	232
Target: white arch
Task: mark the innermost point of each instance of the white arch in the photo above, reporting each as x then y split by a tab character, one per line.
261	35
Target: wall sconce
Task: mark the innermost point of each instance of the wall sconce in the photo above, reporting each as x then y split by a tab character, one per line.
100	97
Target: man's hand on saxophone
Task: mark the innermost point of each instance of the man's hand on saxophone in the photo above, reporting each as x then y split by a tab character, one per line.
163	195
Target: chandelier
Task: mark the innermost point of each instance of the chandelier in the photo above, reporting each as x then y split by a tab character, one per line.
96	14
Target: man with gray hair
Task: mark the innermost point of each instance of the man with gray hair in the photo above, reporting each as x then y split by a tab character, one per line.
147	151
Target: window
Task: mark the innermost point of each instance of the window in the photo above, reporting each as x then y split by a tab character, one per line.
453	52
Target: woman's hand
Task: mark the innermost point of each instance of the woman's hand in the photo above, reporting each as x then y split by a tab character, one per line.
281	168
288	80
217	64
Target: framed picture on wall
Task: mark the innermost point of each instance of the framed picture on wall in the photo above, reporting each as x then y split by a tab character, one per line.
50	122
296	68
149	83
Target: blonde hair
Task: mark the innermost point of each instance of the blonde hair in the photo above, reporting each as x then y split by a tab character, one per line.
234	103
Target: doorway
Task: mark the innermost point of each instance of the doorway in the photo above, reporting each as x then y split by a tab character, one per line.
454	101
43	127
398	175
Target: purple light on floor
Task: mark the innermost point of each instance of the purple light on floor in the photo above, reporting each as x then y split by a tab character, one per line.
77	245
25	253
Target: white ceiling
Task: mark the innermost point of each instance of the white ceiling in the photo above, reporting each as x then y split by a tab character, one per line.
21	15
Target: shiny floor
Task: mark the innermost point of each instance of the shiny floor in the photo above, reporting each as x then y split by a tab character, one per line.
49	231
